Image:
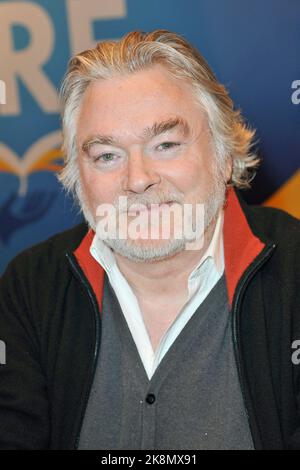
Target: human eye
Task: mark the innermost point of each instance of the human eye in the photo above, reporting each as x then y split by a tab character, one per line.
105	159
167	146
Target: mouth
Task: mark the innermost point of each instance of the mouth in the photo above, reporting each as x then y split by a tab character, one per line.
136	209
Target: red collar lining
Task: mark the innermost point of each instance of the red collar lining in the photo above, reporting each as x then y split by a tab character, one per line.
241	247
91	268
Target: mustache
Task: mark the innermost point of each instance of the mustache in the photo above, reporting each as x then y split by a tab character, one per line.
124	203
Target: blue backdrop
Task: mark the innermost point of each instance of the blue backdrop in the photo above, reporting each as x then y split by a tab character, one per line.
253	47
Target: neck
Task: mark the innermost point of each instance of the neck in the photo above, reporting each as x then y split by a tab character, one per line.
159	277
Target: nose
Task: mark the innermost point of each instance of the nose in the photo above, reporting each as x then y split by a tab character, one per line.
140	174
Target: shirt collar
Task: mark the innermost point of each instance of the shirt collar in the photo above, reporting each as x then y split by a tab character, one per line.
214	251
103	254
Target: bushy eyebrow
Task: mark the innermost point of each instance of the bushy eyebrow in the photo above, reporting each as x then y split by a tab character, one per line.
164	126
155	130
98	139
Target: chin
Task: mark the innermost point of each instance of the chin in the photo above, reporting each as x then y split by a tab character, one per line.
144	251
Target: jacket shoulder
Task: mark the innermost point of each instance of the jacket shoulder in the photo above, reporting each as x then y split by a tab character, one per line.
272	224
50	251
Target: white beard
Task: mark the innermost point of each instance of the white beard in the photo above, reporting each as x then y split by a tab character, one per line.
153	251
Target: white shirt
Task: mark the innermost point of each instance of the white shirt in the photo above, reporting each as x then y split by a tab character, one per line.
200	282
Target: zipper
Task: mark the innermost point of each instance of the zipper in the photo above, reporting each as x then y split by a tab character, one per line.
250	272
76	268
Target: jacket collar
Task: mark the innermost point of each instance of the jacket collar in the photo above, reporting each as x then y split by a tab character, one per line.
241	247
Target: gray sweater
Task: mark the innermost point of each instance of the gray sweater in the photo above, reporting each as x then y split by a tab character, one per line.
193	400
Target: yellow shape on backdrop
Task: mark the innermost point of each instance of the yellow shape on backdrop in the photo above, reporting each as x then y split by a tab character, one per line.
287	197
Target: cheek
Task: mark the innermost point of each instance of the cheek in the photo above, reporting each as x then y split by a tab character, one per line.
191	177
96	187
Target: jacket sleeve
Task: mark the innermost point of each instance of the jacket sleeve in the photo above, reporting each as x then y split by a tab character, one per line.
293	291
24	406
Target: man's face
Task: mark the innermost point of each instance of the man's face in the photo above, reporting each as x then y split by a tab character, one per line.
144	136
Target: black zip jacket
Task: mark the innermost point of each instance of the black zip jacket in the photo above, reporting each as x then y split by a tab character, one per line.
50	323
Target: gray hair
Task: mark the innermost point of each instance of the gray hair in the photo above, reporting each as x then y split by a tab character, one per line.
136	51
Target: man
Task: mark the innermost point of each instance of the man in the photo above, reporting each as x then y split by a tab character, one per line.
119	339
